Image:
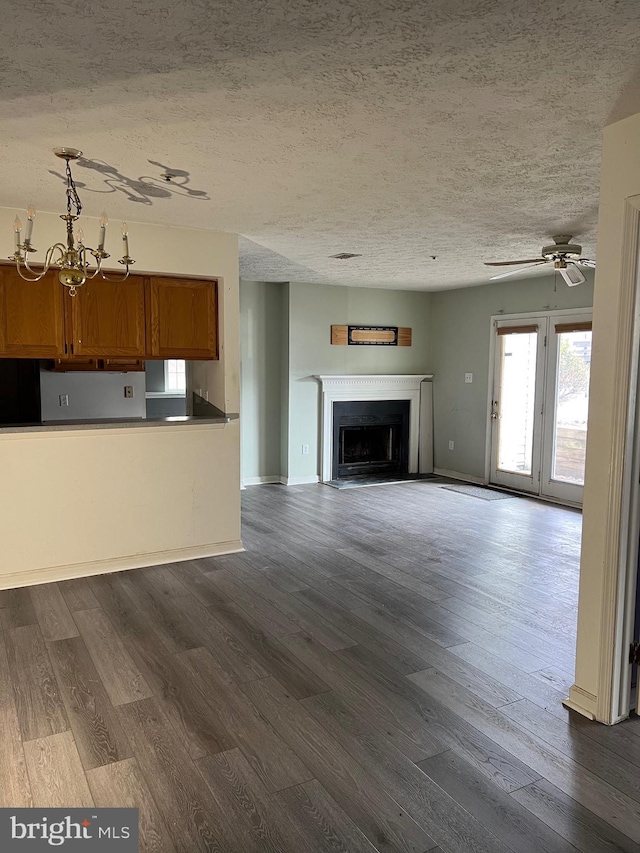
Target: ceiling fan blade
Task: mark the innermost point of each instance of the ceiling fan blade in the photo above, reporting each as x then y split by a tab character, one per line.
586	262
511	263
514	272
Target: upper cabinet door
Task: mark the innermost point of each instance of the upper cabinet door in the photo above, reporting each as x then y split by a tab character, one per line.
108	319
182	318
31	316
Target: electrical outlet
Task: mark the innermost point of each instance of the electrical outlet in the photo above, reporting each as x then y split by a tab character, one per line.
128	391
305	449
64	399
451	444
468	378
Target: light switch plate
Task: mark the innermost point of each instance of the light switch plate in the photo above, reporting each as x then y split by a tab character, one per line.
468	378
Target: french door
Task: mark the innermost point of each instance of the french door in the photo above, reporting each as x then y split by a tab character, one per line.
539	404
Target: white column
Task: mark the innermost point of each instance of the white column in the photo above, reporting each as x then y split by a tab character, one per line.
602	646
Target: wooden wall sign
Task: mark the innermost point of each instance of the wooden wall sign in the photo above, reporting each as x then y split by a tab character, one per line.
370	336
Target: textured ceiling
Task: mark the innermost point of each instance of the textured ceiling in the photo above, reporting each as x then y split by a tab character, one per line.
394	129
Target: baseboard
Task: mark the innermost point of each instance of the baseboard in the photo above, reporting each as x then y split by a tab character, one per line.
458	475
52	574
284	481
582	702
260	481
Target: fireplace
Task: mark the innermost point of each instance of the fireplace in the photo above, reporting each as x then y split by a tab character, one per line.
370	438
402	442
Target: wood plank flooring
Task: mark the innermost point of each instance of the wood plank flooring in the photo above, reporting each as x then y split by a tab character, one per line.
381	670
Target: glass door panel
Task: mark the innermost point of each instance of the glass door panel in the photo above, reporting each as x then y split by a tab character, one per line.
516	400
567	411
572	407
515	414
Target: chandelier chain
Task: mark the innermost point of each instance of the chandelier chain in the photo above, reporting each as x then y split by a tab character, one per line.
73	199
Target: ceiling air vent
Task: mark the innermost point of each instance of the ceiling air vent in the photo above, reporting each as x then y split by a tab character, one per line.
344	256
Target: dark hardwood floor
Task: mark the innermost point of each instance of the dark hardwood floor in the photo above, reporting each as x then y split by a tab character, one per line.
383	669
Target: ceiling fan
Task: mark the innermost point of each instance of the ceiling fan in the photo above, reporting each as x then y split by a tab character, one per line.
562	253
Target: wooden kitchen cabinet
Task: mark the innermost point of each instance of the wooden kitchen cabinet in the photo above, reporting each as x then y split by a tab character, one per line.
107	319
182	318
116	365
31	316
122	365
107	325
65	364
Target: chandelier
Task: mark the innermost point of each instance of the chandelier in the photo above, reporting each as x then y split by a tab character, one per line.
71	258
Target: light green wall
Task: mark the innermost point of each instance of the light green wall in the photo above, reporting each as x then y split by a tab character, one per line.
460	334
263	337
286	340
313	309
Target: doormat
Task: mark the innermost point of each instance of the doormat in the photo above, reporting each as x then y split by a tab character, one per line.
481	492
362	482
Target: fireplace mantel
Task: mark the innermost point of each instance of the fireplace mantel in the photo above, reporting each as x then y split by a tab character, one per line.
400	386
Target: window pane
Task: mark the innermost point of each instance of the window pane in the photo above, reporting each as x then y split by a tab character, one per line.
175	374
572	407
517	400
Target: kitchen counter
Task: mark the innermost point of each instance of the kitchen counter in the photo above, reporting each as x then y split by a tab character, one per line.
203	413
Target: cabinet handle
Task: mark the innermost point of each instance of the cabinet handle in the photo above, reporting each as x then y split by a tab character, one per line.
65	347
71	349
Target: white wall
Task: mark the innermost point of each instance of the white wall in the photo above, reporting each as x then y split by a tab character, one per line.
77	502
598	607
91	395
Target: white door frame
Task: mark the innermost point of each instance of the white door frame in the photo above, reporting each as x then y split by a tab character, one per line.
515	319
621	571
603	648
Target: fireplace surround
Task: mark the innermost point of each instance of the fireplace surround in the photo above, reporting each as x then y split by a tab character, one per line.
410	393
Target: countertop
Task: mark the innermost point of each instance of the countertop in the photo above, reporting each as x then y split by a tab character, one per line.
203	413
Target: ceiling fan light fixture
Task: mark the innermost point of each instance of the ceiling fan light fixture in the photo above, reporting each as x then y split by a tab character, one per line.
570	273
563	254
561	247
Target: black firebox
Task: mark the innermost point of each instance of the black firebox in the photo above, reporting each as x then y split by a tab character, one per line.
370	438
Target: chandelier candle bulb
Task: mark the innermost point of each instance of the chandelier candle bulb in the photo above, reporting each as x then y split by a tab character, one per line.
125	240
79	235
17	228
31	215
103	232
